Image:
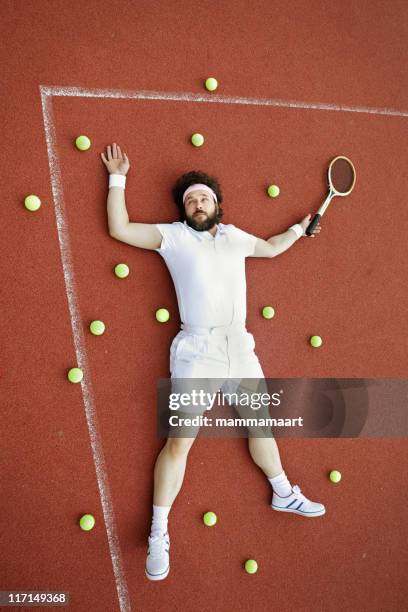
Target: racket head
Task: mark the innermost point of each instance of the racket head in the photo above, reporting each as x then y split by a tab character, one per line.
341	175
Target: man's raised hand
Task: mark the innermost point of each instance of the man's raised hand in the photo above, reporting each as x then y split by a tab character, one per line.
117	162
305	224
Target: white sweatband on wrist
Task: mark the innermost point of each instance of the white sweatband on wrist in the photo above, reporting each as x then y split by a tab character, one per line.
298	230
117	180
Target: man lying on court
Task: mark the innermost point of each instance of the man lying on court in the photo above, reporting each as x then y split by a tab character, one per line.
206	260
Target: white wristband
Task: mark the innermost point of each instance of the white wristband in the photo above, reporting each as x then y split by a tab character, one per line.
298	230
117	180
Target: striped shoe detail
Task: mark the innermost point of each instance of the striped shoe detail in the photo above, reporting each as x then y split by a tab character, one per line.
300	504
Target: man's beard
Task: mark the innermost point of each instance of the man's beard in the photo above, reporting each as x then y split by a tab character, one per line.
202	223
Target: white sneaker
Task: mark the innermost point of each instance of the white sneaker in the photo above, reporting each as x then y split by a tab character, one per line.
296	502
158	559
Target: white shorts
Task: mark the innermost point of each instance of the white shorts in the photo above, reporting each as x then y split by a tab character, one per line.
223	356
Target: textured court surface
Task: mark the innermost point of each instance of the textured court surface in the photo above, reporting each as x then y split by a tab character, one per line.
299	83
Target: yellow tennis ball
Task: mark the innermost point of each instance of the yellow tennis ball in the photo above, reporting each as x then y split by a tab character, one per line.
268	312
162	315
251	566
335	476
87	522
97	327
75	375
121	270
211	83
316	341
273	191
32	202
197	139
210	518
82	143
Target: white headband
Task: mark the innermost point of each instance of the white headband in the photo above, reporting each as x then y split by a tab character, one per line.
199	186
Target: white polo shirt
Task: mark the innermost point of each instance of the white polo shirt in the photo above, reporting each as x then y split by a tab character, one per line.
208	271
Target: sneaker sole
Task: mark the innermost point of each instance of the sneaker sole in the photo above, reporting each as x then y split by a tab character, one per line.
157	576
308	514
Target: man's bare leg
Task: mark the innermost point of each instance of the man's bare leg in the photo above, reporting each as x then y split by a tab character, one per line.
169	470
262	445
171	463
265	453
168	477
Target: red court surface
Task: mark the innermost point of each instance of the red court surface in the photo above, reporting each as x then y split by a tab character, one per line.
299	83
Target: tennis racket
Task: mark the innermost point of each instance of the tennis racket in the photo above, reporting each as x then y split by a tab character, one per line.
341	176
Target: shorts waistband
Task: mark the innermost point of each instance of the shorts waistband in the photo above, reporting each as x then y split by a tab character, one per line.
219	330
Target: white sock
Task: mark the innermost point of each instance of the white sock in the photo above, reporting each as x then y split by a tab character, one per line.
281	485
159	520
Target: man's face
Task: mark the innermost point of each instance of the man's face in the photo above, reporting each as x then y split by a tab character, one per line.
201	210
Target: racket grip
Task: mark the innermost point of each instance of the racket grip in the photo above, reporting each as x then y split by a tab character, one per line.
312	225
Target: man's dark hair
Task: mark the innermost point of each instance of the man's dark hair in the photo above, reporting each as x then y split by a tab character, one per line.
196	176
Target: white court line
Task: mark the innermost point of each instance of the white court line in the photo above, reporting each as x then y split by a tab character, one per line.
82	361
211	98
47	92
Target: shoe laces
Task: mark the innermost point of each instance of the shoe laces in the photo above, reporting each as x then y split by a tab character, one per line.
297	491
157	545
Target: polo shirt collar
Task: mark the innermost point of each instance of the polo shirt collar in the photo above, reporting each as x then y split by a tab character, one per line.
205	234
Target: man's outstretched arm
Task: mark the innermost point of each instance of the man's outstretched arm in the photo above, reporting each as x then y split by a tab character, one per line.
143	235
275	245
